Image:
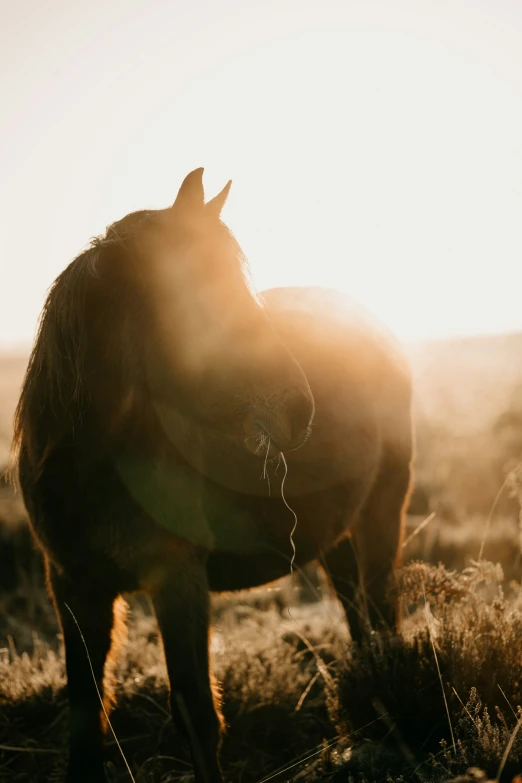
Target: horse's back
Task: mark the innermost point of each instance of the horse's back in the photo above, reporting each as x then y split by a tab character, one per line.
335	338
358	373
356	368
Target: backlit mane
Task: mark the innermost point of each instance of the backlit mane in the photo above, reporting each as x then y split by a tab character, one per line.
55	372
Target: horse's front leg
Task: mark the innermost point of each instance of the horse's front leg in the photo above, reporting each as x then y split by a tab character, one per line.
179	591
87	638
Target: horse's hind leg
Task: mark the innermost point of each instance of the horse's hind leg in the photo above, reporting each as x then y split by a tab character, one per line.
378	536
362	568
342	568
181	600
92	606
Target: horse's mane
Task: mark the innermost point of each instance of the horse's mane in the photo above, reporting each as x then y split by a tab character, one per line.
54	377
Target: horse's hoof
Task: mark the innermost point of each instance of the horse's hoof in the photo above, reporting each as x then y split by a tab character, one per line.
86	776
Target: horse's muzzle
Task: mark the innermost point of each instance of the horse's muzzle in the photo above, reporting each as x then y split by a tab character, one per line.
282	431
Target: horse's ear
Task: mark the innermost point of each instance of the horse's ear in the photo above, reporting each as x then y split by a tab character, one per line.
215	205
191	197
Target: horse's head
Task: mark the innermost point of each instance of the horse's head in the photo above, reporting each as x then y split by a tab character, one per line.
209	349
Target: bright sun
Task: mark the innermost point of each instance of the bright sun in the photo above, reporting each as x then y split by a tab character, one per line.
373	149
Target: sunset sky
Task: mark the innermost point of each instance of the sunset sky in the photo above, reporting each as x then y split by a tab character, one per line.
375	147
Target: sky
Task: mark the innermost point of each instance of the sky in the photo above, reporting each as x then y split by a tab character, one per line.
374	147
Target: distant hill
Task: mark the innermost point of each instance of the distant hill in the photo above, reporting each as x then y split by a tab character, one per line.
466	382
12	369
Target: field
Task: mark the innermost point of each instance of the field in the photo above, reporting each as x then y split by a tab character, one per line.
442	703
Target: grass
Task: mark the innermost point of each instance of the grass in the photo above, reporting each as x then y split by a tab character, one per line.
296	688
258	657
465	625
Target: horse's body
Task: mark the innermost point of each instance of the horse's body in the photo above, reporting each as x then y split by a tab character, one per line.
150	485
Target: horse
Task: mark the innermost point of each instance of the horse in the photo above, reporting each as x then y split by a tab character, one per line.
171	423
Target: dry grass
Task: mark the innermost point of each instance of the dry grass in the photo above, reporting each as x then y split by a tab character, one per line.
296	688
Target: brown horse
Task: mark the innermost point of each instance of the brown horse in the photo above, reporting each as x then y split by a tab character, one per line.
160	395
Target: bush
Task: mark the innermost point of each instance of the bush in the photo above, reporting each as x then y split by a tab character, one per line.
446	696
